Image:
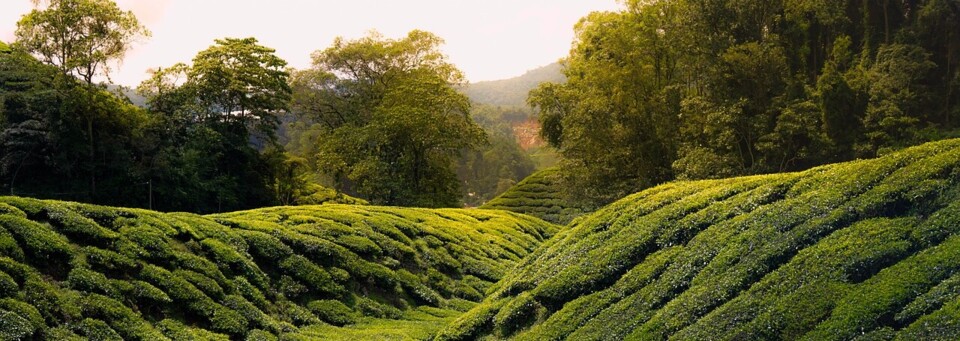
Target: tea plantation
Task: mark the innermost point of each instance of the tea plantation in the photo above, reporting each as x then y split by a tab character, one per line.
538	195
866	250
72	271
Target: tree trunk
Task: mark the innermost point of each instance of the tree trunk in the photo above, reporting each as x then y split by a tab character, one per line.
93	159
886	22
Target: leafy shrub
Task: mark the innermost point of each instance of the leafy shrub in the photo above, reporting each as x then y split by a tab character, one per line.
175	330
538	195
369	307
78	227
316	278
9	246
204	283
108	260
297	314
333	312
42	244
63	333
94	329
10	210
260	335
14	326
254	315
83	279
8	286
145	291
120	318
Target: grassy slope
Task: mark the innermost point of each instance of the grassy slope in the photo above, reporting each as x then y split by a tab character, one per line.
74	271
866	249
539	196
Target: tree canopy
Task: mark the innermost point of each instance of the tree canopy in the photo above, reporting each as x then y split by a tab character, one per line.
705	89
79	36
386	118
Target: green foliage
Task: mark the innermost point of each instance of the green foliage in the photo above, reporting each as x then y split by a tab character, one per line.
418	324
333	312
685	89
388	119
94	329
862	249
494	167
540	195
79	36
238	79
118	273
40	242
176	330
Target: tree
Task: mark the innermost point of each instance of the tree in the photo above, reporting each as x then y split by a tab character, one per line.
614	121
42	135
240	80
79	36
391	122
897	95
217	126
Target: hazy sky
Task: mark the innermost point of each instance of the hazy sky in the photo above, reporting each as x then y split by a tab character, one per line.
486	39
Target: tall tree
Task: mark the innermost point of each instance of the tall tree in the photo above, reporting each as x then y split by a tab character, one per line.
80	37
241	80
716	88
217	127
391	122
615	118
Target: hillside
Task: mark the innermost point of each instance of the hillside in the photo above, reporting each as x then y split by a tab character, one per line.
866	249
75	271
512	92
537	195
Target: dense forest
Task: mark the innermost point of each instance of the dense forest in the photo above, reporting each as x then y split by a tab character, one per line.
696	89
237	128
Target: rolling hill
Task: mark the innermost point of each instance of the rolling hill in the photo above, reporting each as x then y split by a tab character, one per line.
512	92
72	271
537	195
866	250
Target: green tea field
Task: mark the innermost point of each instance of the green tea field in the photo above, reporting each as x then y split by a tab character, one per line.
866	250
74	271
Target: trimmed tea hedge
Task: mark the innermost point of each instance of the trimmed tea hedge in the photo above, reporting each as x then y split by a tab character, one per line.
75	271
861	250
538	195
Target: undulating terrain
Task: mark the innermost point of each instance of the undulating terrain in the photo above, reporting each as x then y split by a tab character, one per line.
76	271
860	250
866	250
538	195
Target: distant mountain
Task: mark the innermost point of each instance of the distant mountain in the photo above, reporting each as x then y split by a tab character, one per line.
129	93
513	91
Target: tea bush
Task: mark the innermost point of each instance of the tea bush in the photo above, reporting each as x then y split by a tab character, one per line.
538	195
76	271
860	250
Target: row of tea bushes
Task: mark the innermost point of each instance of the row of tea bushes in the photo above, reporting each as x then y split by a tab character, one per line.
538	195
867	249
75	271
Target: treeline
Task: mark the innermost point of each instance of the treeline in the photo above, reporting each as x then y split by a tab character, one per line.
695	89
373	117
64	138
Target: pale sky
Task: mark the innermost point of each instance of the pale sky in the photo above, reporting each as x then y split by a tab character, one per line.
486	39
